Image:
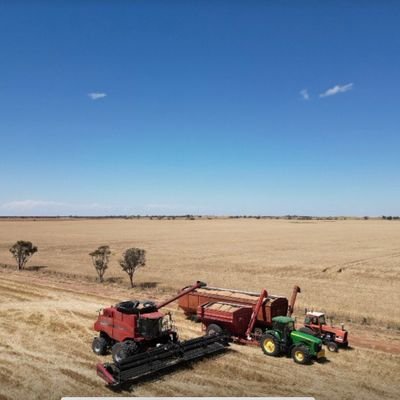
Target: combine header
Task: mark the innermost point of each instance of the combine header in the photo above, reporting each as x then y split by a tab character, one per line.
161	359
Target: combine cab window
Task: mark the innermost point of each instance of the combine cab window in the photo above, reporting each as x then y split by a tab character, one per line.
150	328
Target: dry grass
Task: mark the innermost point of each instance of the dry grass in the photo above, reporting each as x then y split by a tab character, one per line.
349	268
45	320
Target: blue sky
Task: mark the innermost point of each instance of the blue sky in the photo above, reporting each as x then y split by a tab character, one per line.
203	107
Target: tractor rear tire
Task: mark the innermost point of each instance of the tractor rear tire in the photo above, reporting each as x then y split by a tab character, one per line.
99	346
213	329
270	345
301	355
308	331
332	346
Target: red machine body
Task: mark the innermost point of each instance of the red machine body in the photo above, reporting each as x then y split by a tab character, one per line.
130	327
121	326
271	306
239	321
315	322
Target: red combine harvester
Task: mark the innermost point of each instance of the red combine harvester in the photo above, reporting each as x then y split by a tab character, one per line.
333	337
143	340
130	327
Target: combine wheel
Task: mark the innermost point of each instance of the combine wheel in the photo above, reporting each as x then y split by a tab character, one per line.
213	329
301	355
99	346
332	346
270	345
119	352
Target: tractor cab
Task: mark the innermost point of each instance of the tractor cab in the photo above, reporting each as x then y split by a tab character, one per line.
315	324
284	325
316	319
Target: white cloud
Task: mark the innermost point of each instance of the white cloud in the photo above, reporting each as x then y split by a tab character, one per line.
25	205
304	94
49	208
337	89
97	95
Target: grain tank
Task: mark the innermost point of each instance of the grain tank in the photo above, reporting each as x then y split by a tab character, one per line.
272	305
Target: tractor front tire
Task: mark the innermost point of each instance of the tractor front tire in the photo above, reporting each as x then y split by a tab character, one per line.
99	346
301	355
332	346
270	345
213	329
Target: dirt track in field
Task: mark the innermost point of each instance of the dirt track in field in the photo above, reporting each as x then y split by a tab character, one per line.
348	268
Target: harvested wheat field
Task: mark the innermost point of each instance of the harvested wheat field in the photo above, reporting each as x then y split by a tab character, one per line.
350	269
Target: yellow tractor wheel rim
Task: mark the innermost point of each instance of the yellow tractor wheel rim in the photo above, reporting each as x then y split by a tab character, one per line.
269	345
299	356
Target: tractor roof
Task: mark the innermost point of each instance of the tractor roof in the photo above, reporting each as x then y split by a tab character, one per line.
282	319
316	314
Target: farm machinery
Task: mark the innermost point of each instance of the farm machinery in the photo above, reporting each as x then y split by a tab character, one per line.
333	337
250	324
143	340
272	305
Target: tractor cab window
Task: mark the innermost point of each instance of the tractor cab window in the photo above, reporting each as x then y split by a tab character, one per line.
290	327
284	328
278	326
314	320
307	320
322	320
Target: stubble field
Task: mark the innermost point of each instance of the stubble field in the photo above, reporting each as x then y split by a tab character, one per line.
350	269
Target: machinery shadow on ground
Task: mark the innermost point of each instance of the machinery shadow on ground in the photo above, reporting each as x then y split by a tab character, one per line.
146	285
35	267
323	361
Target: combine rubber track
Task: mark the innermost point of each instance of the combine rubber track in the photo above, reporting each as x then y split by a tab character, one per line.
161	358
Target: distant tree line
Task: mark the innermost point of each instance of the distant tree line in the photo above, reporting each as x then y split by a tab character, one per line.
192	217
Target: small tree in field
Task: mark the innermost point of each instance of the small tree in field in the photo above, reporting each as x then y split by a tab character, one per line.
22	251
131	260
100	259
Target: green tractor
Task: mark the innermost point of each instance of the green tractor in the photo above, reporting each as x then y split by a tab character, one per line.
284	339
